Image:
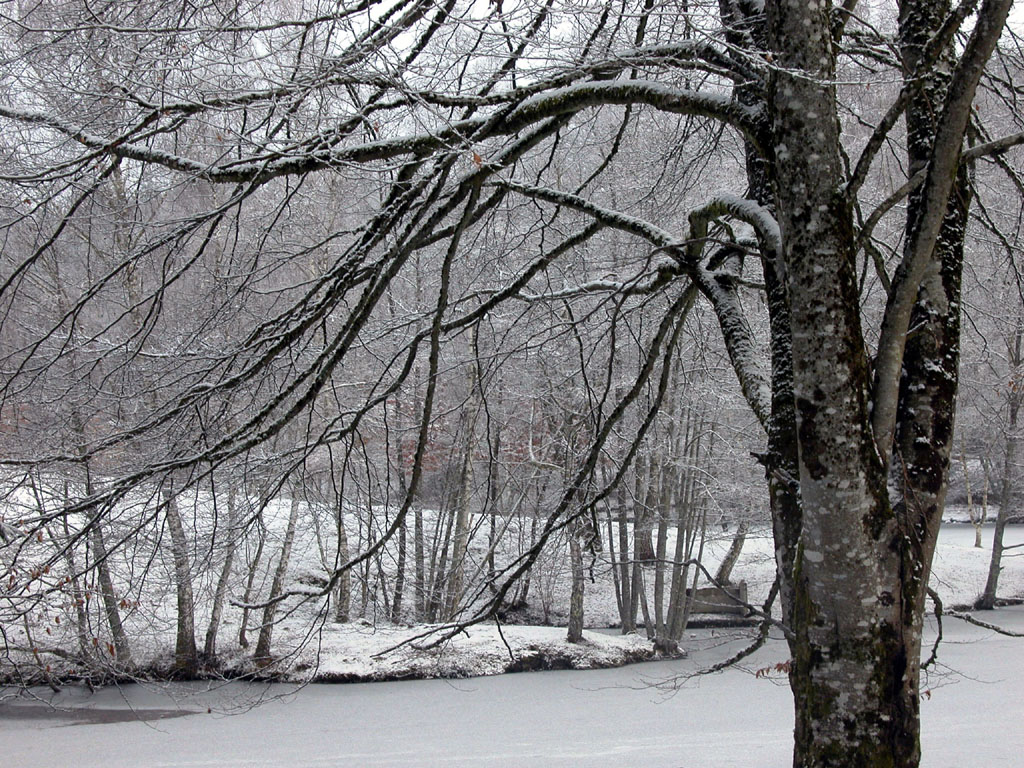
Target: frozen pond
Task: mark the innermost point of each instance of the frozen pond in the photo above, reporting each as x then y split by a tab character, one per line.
596	718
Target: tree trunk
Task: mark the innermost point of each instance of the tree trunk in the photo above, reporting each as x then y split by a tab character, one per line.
493	502
575	633
688	527
856	626
343	590
460	547
219	594
77	596
421	584
122	648
460	543
661	548
724	573
976	520
403	528
848	654
439	564
262	652
250	580
627	613
396	604
1015	397
186	656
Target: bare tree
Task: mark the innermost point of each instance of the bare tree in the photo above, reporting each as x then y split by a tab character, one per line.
453	127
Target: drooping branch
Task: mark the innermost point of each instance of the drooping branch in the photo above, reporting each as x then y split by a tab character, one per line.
687	258
316	154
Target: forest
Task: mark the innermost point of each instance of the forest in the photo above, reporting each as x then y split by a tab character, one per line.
433	314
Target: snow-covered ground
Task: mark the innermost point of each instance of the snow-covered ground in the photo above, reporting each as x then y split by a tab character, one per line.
311	646
361	651
614	717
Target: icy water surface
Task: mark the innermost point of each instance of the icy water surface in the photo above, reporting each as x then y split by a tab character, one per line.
972	715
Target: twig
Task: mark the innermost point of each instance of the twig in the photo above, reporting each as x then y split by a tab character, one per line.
983	624
497	623
762	635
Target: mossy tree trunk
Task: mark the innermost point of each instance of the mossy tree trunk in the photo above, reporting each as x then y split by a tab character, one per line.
854	561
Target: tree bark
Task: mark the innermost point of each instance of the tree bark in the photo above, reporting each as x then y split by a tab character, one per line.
262	652
977	520
627	613
724	574
122	647
460	546
343	590
575	632
186	655
420	570
251	579
848	656
221	590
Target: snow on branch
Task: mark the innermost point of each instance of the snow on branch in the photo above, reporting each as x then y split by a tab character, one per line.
718	288
748	211
611	218
320	151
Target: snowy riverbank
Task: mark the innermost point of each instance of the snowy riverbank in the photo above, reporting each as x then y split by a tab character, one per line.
610	718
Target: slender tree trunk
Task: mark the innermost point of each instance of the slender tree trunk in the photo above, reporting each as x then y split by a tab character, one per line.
343	590
689	528
701	531
221	590
661	550
186	656
724	573
251	579
421	585
460	544
439	564
627	614
612	556
493	501
403	489
972	515
677	585
524	594
460	547
262	652
77	596
122	648
1006	492
97	538
396	604
575	633
640	525
645	608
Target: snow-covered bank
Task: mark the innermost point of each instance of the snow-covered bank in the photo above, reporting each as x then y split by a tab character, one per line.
309	648
360	653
